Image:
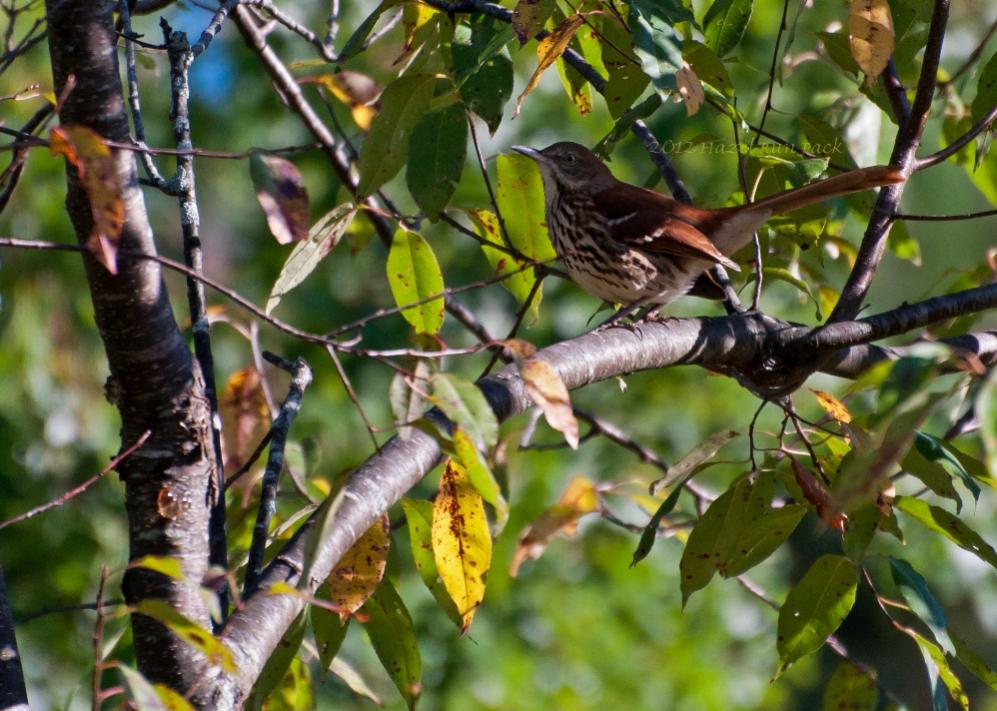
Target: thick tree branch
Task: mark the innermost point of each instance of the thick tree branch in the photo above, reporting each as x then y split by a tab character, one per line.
154	382
13	694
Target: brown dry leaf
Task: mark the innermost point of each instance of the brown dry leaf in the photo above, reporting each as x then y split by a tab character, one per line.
89	154
462	543
528	18
360	571
690	89
245	417
546	389
355	89
281	192
581	497
549	50
870	34
818	495
833	406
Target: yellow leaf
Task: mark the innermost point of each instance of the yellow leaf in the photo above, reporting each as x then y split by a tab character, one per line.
833	406
690	89
462	544
581	497
546	389
360	571
86	151
548	50
355	89
870	34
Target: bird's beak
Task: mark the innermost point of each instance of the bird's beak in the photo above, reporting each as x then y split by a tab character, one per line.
531	153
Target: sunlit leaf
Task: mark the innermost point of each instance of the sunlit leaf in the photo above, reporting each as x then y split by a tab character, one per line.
480	475
690	89
361	569
520	198
656	43
392	635
549	50
281	193
161	564
851	689
420	28
708	67
436	158
465	405
699	454
189	631
462	544
352	678
974	662
355	89
385	149
245	416
832	406
815	608
870	34
521	278
414	276
357	41
419	518
306	255
940	674
984	102
725	23
580	498
546	389
949	525
149	697
761	537
87	152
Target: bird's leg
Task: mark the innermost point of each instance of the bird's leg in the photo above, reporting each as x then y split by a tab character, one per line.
623	313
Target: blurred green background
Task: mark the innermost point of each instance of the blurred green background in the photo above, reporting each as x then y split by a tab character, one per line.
578	629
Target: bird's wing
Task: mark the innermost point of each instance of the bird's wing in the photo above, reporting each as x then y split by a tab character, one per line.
655	223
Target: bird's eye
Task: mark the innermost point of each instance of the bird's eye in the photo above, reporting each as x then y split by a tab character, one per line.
570	158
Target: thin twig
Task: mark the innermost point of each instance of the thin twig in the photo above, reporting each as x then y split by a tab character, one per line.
772	71
957	145
945	218
348	386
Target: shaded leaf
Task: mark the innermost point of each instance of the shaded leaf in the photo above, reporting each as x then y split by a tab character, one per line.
483	70
949	525
940	674
699	454
815	608
383	153
922	603
725	24
708	67
580	498
361	569
245	416
436	158
414	276
465	405
931	475
549	50
870	35
281	193
547	390
352	678
392	635
462	544
419	518
529	17
152	697
650	532
357	41
656	43
850	689
306	255
330	631
625	80
87	152
408	403
934	450
974	662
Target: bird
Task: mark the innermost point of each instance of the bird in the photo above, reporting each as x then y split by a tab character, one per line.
635	247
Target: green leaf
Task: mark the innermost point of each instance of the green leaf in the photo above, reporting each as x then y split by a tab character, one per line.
761	537
903	244
861	527
465	405
520	198
986	92
922	603
419	517
483	71
436	158
358	39
949	525
725	23
330	631
650	532
189	631
322	237
520	280
468	455
699	454
851	689
656	43
815	608
622	126
974	662
986	412
932	475
403	104
279	662
934	450
149	697
529	17
708	67
823	139
625	81
939	671
392	635
414	276
166	565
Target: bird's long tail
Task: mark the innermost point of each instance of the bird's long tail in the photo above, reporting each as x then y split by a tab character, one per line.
851	182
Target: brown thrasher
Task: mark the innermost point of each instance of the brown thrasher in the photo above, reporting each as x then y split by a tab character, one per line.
633	246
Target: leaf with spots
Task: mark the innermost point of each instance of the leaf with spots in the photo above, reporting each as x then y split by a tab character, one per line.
701	453
151	697
278	665
360	571
383	153
389	626
281	193
870	36
189	631
86	151
851	689
521	277
549	50
436	158
949	525
419	518
414	277
520	197
832	406
815	608
462	543
465	405
625	80
306	255
330	631
580	498
546	389
529	17
478	471
940	674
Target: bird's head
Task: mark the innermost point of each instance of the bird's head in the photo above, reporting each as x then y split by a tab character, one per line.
569	166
